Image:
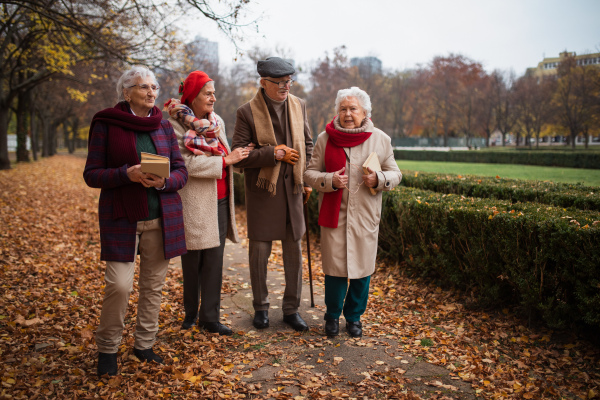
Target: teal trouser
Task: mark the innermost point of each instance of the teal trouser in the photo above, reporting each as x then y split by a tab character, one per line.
351	300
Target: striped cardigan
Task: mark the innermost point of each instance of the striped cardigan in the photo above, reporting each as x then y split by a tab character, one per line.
118	236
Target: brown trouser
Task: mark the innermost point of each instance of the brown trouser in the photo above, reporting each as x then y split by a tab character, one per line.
119	285
259	253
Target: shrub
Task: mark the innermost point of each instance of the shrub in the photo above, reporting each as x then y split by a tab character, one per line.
572	159
543	258
515	190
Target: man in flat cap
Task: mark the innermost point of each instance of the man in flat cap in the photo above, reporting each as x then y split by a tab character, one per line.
275	121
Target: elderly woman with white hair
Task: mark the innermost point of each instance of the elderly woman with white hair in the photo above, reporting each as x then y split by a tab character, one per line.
350	205
139	213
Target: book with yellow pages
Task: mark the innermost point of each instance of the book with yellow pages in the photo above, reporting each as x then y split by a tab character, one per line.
373	163
155	164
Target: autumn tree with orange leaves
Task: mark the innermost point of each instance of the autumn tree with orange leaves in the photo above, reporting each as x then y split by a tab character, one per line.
46	39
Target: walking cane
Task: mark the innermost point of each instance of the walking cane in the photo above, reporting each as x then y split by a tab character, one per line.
312	297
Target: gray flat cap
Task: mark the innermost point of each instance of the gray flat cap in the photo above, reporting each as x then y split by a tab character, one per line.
274	67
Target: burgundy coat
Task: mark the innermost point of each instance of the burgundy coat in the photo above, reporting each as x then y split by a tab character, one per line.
118	236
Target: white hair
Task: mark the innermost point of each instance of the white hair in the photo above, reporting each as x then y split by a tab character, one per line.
363	99
130	77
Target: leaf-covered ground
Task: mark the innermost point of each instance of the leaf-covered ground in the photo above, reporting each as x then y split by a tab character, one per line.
51	289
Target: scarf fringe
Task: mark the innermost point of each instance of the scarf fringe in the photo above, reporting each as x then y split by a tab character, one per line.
265	183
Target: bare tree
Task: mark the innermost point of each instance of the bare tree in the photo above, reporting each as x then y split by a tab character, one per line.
504	107
576	97
330	75
533	96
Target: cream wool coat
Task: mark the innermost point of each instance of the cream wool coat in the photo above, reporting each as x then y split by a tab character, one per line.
350	249
199	195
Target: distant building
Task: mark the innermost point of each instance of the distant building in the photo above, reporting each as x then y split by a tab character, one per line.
367	66
549	65
204	55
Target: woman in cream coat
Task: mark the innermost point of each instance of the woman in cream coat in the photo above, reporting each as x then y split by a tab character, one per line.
349	213
208	208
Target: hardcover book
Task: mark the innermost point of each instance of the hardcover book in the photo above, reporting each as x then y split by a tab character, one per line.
155	164
373	163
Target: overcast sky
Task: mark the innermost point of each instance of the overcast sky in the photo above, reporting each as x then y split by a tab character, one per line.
501	34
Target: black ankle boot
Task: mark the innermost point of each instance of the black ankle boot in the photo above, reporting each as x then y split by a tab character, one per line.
354	329
332	327
107	364
147	355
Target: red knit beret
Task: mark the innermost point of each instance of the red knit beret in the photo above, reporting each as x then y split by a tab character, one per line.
192	85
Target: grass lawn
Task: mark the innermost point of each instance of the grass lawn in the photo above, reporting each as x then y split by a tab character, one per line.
589	177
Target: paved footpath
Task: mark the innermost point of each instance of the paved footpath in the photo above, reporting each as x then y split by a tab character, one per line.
301	360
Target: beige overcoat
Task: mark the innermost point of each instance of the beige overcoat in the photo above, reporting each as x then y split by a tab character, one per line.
199	195
350	249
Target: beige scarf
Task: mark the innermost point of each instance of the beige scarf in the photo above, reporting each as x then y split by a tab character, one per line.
267	178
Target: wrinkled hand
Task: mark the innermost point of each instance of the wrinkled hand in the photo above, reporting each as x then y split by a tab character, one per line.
339	179
236	155
370	179
135	174
286	154
152	180
307	192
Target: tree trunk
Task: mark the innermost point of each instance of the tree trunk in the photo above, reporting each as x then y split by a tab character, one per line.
53	138
67	135
34	135
4	160
45	138
22	125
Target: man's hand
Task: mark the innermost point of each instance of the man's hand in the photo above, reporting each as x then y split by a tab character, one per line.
286	154
307	192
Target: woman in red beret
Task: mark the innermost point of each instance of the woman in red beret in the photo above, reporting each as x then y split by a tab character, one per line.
208	209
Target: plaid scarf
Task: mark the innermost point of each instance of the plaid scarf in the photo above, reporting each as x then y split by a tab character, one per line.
202	136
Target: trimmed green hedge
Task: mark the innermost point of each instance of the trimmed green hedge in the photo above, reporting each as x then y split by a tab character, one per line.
544	258
557	194
573	159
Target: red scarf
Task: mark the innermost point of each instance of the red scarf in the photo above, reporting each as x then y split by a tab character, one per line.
129	200
335	159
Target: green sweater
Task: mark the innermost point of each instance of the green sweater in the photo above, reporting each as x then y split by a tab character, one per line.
144	144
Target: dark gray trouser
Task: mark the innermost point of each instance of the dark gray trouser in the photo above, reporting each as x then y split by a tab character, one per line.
203	274
259	253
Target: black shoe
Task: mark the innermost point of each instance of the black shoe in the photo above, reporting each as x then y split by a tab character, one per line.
354	328
107	364
188	323
296	322
332	327
147	355
261	319
216	327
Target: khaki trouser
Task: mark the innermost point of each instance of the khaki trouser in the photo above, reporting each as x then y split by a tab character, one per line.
259	253
119	285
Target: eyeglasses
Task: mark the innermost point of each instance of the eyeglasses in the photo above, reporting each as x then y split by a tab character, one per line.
282	84
147	88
